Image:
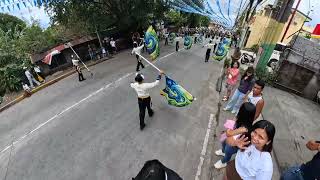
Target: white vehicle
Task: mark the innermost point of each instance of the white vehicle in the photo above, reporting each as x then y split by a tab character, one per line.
275	56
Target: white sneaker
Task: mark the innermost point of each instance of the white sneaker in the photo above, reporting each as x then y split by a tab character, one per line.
233	112
226	109
219	165
219	153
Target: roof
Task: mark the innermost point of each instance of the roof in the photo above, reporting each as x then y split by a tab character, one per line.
38	57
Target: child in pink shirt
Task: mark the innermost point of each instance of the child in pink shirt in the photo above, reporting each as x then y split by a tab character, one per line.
232	78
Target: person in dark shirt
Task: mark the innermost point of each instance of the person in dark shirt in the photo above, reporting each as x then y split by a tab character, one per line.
307	171
246	84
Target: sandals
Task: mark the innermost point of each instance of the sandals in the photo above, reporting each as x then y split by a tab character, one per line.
225	98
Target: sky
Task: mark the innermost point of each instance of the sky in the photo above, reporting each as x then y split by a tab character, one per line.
39	14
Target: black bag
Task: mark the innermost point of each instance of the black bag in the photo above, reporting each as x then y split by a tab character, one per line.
155	170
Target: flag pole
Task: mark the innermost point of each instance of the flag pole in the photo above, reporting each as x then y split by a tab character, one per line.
70	46
149	62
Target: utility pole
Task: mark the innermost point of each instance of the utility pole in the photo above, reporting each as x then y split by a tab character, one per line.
292	16
98	36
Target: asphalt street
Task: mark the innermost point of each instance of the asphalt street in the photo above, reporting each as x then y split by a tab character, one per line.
90	129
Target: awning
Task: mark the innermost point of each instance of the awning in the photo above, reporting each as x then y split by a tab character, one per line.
48	58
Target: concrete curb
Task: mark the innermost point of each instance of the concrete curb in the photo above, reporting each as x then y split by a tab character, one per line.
42	86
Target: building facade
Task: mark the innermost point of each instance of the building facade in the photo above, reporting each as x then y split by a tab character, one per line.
259	25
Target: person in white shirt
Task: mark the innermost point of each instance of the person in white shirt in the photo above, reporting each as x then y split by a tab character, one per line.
255	97
177	39
166	36
137	51
30	77
39	73
26	89
113	45
253	162
144	99
75	63
210	46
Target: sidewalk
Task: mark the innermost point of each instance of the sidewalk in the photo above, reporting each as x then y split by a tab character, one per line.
49	81
218	174
296	120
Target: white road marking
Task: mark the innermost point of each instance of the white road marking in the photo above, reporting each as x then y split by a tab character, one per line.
115	83
204	147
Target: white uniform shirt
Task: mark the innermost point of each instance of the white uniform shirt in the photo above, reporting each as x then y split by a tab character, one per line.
113	43
209	45
253	164
75	62
142	89
137	50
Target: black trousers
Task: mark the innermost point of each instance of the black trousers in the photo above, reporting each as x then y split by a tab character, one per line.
81	78
207	55
139	63
177	46
166	41
143	104
214	48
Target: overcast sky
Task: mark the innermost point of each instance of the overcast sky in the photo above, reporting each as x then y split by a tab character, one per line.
39	14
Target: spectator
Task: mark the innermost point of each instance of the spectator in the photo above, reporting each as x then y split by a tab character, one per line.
253	162
41	77
243	124
30	77
236	55
26	89
90	51
307	171
113	46
232	75
255	97
246	84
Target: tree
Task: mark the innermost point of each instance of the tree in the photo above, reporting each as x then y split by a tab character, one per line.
91	15
176	18
17	42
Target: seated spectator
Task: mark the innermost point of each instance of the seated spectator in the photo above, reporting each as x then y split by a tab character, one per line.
307	171
26	89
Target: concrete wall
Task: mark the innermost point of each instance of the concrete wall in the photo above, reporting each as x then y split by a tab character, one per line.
300	71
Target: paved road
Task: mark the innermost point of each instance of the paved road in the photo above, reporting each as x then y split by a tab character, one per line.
90	130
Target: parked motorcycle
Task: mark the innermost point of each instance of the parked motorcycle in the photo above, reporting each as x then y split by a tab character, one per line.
246	58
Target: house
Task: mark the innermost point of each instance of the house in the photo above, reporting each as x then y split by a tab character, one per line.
62	60
259	24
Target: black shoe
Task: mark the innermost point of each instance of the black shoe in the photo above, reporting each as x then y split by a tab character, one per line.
142	127
151	114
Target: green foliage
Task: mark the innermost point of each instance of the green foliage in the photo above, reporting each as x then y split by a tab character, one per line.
308	36
89	16
176	18
266	76
255	48
204	21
